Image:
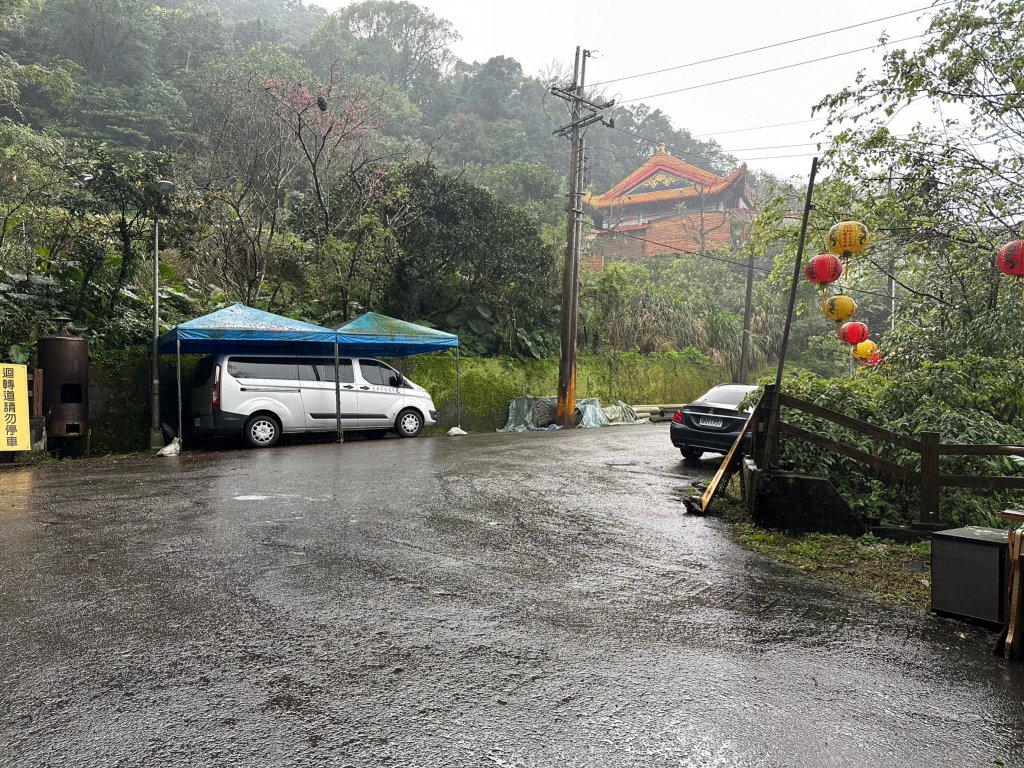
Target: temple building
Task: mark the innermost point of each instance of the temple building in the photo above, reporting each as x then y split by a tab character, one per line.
668	206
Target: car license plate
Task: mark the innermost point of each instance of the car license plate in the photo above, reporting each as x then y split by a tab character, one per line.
710	422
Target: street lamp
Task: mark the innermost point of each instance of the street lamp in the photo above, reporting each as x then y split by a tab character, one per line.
156	437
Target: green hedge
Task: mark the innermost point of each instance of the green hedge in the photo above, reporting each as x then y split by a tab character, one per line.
489	384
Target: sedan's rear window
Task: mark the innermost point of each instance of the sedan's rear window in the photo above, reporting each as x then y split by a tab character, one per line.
731	396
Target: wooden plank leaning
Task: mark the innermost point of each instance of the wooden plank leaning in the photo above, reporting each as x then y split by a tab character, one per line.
730	464
1010	644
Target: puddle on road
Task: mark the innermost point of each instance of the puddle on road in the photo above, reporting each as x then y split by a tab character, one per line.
18	485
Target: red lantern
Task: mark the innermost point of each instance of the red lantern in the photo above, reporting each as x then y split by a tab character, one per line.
1011	259
853	332
824	268
875	359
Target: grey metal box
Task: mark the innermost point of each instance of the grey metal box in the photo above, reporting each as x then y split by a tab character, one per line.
969	567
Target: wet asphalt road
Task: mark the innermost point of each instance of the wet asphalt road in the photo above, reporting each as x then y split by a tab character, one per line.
494	600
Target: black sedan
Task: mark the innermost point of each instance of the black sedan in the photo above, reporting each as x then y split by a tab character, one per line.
711	422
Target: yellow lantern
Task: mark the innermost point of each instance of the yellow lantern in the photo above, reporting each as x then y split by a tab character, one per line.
847	238
865	350
839	308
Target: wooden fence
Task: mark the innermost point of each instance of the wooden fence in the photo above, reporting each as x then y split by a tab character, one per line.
927	445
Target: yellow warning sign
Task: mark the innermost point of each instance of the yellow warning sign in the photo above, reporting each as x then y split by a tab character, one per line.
14	400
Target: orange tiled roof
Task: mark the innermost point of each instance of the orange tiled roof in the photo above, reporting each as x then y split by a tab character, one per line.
705	183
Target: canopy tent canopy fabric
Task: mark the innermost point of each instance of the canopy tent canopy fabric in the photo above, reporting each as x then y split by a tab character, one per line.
380	335
241	328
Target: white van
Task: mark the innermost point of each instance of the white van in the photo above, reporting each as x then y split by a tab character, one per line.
263	396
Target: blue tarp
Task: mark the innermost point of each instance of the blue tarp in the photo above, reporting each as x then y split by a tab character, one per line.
239	327
379	335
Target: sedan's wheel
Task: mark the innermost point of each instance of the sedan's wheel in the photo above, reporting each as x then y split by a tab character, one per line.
691	454
262	431
409	423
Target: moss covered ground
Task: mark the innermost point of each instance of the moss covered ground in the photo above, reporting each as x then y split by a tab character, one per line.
889	570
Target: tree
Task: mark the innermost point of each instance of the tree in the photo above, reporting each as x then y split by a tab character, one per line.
15	75
114	41
942	199
243	161
191	36
407	44
472	263
122	191
492	89
532	187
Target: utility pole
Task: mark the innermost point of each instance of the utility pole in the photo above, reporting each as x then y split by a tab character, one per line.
747	312
584	113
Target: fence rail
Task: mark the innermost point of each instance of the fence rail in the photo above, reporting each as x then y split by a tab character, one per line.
927	446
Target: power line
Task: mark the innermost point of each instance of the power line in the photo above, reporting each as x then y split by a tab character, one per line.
768	71
707	158
773	146
770	46
745	265
759	127
676	249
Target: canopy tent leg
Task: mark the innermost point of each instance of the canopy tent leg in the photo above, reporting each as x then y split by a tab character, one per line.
337	393
181	436
458	392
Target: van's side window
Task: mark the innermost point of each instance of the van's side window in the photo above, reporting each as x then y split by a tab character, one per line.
306	369
377	373
326	371
263	368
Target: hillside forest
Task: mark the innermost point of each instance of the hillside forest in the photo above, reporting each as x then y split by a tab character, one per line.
325	164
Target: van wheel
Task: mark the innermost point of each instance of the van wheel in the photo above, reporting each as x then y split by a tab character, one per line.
262	430
409	423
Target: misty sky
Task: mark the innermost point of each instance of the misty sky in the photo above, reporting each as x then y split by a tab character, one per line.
631	38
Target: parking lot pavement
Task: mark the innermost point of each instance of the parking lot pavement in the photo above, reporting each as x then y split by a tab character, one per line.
501	600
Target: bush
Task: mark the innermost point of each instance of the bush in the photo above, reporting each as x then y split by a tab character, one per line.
969	400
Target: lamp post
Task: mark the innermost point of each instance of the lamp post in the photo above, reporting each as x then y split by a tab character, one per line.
156	437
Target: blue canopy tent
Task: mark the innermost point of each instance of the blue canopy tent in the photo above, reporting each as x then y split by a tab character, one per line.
376	335
240	327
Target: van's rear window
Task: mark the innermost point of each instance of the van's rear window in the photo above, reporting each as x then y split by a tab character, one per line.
263	368
203	372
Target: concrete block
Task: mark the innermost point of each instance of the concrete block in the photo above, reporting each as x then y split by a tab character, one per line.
802	504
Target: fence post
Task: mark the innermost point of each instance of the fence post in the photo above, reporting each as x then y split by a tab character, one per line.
929	476
760	448
36	394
